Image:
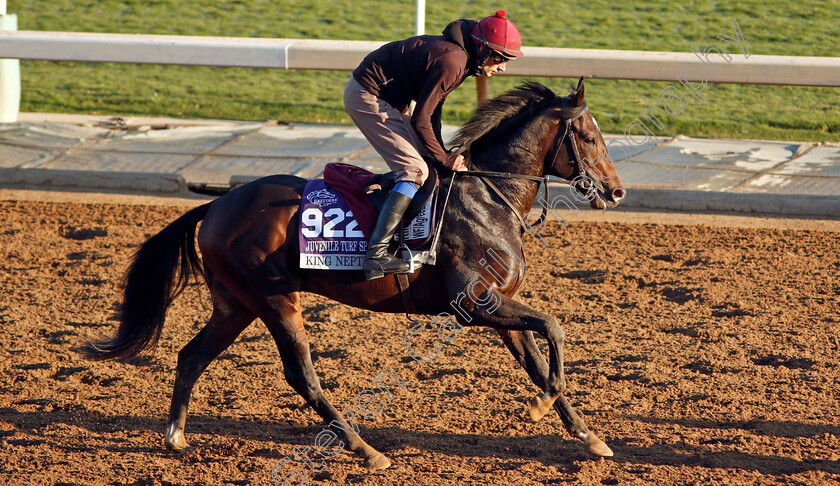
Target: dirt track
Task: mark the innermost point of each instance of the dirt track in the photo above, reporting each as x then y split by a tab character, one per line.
702	354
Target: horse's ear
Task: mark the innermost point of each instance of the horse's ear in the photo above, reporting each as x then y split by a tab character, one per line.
579	92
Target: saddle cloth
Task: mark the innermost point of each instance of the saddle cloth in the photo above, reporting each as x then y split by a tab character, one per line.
332	236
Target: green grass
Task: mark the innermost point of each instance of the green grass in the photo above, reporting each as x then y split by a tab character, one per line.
742	111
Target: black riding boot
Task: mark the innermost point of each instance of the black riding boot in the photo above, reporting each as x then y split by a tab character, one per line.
378	261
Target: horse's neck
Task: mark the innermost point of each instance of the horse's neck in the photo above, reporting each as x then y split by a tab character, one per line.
504	156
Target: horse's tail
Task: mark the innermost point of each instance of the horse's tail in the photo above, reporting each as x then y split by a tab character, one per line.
161	270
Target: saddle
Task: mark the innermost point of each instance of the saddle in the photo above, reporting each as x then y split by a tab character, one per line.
339	212
381	184
365	192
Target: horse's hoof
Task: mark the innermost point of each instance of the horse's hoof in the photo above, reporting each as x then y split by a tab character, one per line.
595	447
176	442
377	461
538	408
182	446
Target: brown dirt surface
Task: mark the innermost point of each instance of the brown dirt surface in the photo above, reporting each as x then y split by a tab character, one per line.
703	349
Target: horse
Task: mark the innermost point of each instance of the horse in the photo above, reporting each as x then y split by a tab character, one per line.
249	260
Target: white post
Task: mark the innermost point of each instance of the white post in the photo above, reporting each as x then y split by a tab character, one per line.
419	29
419	17
9	74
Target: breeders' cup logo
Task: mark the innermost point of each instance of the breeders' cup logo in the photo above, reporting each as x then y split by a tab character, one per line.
322	197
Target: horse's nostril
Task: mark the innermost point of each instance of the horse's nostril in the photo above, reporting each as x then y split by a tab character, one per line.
618	194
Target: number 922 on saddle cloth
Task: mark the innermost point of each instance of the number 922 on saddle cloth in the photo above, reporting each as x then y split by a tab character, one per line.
330	235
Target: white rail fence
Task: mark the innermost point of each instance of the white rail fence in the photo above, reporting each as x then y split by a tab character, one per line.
345	56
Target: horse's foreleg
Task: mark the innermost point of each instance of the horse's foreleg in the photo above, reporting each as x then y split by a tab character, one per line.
524	348
224	326
290	337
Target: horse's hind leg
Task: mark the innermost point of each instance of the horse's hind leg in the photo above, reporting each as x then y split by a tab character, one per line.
512	315
524	348
286	326
226	323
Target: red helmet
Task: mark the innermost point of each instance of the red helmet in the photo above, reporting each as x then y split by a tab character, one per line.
499	34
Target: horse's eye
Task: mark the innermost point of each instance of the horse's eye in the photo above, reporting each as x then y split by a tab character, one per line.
590	140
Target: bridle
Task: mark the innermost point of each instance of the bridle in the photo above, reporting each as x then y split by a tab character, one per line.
568	114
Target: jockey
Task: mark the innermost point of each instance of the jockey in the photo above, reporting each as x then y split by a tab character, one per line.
424	69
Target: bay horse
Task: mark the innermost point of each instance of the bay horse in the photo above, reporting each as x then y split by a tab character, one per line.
248	241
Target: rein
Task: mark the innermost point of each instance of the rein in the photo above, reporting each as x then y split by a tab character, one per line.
569	114
483	174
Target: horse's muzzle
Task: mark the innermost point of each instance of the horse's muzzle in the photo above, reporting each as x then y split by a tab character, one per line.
601	197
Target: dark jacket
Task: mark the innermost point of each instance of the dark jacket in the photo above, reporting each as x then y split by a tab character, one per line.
426	69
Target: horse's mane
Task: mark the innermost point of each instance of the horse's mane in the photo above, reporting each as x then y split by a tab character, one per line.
493	112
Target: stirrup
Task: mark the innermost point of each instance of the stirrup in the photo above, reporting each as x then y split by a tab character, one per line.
376	270
410	260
